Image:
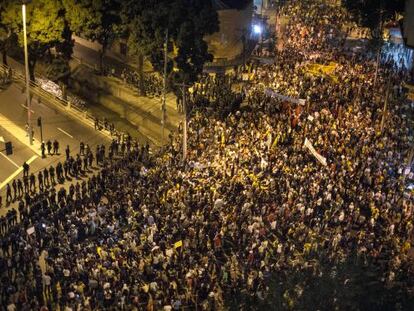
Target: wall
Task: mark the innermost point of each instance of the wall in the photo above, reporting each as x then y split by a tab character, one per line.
227	43
409	23
113	51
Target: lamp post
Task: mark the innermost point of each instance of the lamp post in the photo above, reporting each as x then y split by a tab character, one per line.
26	62
185	124
164	97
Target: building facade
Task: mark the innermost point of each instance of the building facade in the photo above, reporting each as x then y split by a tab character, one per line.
235	19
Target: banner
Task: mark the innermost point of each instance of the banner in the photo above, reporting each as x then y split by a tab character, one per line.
298	101
320	158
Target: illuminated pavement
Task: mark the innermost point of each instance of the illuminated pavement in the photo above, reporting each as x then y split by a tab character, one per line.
56	125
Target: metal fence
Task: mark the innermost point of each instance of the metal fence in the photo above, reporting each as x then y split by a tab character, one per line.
37	90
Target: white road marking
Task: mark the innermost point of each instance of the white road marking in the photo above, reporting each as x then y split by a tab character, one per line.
10	160
25	107
17	172
64	132
19	133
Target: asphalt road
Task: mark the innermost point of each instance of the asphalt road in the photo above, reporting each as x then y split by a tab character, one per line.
56	125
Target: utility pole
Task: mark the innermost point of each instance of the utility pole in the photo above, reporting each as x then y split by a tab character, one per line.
380	48
185	125
261	9
184	91
244	39
384	110
164	99
26	61
39	124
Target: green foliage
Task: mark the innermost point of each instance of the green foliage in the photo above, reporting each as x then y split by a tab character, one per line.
367	13
45	26
237	4
45	22
145	26
5	34
96	20
58	70
65	48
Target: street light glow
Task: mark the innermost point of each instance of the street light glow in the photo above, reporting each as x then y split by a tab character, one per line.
257	29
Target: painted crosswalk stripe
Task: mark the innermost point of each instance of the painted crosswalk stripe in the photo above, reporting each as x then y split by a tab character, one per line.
19	134
17	172
8	159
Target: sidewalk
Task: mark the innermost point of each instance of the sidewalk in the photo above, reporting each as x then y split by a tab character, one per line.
19	134
83	54
112	94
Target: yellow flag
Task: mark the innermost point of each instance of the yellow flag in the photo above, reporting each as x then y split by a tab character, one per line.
99	251
178	244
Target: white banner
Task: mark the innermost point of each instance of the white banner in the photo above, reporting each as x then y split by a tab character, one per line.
298	101
320	158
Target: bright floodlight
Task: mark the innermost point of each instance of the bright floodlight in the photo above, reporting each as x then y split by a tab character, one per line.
257	29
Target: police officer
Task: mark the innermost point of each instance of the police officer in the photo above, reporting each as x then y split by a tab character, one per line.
43	148
32	182
49	147
66	168
52	175
20	187
82	148
26	168
55	147
40	180
67	150
46	177
14	185
9	197
26	183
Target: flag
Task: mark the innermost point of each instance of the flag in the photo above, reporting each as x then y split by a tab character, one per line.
178	244
320	158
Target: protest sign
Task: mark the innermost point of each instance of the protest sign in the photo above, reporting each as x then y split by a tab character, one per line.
30	231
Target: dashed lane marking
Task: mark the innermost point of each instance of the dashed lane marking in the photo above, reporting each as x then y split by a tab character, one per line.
64	132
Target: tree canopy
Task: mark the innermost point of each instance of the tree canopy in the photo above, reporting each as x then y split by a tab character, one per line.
5	33
96	20
187	23
50	24
368	13
45	26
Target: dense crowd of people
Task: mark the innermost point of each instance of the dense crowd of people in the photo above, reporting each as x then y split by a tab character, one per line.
151	231
152	83
5	78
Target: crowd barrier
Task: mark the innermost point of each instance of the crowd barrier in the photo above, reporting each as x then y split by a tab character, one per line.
77	111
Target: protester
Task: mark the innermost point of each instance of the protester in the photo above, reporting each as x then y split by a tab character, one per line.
151	231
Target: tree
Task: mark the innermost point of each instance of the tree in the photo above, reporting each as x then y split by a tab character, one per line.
187	23
4	42
5	34
199	19
370	13
45	26
96	20
142	25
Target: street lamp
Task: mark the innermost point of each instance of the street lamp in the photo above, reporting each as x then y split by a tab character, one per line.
257	29
26	62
